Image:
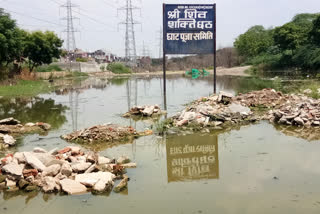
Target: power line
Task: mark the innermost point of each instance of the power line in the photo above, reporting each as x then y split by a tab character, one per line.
87	16
107	3
32	17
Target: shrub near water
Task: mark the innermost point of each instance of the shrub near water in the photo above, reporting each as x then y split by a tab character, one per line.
118	68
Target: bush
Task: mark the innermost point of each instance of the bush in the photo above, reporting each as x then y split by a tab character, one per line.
81	59
48	68
102	68
118	68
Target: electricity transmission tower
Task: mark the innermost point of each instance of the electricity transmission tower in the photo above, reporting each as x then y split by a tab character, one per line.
130	42
70	40
145	50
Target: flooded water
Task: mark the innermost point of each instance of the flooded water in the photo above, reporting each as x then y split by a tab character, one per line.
256	169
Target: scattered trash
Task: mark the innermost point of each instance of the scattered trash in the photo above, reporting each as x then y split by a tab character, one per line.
70	170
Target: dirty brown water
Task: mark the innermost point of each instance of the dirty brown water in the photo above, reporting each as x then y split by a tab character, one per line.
254	169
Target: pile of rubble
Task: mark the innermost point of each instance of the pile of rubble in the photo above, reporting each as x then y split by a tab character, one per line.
264	98
297	111
214	111
146	111
69	170
217	110
105	133
10	128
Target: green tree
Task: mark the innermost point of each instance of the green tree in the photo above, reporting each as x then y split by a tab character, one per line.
11	39
315	31
41	47
289	36
304	19
255	41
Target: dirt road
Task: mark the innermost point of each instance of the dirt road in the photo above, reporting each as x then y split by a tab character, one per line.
235	71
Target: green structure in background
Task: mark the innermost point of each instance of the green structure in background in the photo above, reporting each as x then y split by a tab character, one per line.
195	73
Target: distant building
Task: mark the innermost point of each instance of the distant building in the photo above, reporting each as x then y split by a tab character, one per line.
78	53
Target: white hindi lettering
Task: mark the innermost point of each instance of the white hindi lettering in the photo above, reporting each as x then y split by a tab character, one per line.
190	19
184	37
194	13
190	13
183	23
174	14
172	36
204	24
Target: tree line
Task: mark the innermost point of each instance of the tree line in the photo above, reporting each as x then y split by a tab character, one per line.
294	45
22	48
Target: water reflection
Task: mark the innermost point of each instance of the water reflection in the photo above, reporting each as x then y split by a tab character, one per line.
307	133
7	195
34	109
192	157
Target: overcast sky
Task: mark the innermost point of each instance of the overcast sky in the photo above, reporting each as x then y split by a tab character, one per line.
98	24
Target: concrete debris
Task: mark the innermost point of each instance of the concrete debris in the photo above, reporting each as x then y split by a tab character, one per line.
30	124
225	110
7	139
52	170
146	111
90	179
101	133
122	185
11	128
66	169
44	126
9	121
13	169
33	161
30	171
49	185
224	97
103	160
80	167
10	183
123	160
72	187
39	150
307	91
213	111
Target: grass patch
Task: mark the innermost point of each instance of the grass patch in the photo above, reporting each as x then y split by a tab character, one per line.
25	88
82	60
118	68
77	74
160	127
300	86
48	68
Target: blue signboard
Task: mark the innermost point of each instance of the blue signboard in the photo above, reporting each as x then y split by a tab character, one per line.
189	28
